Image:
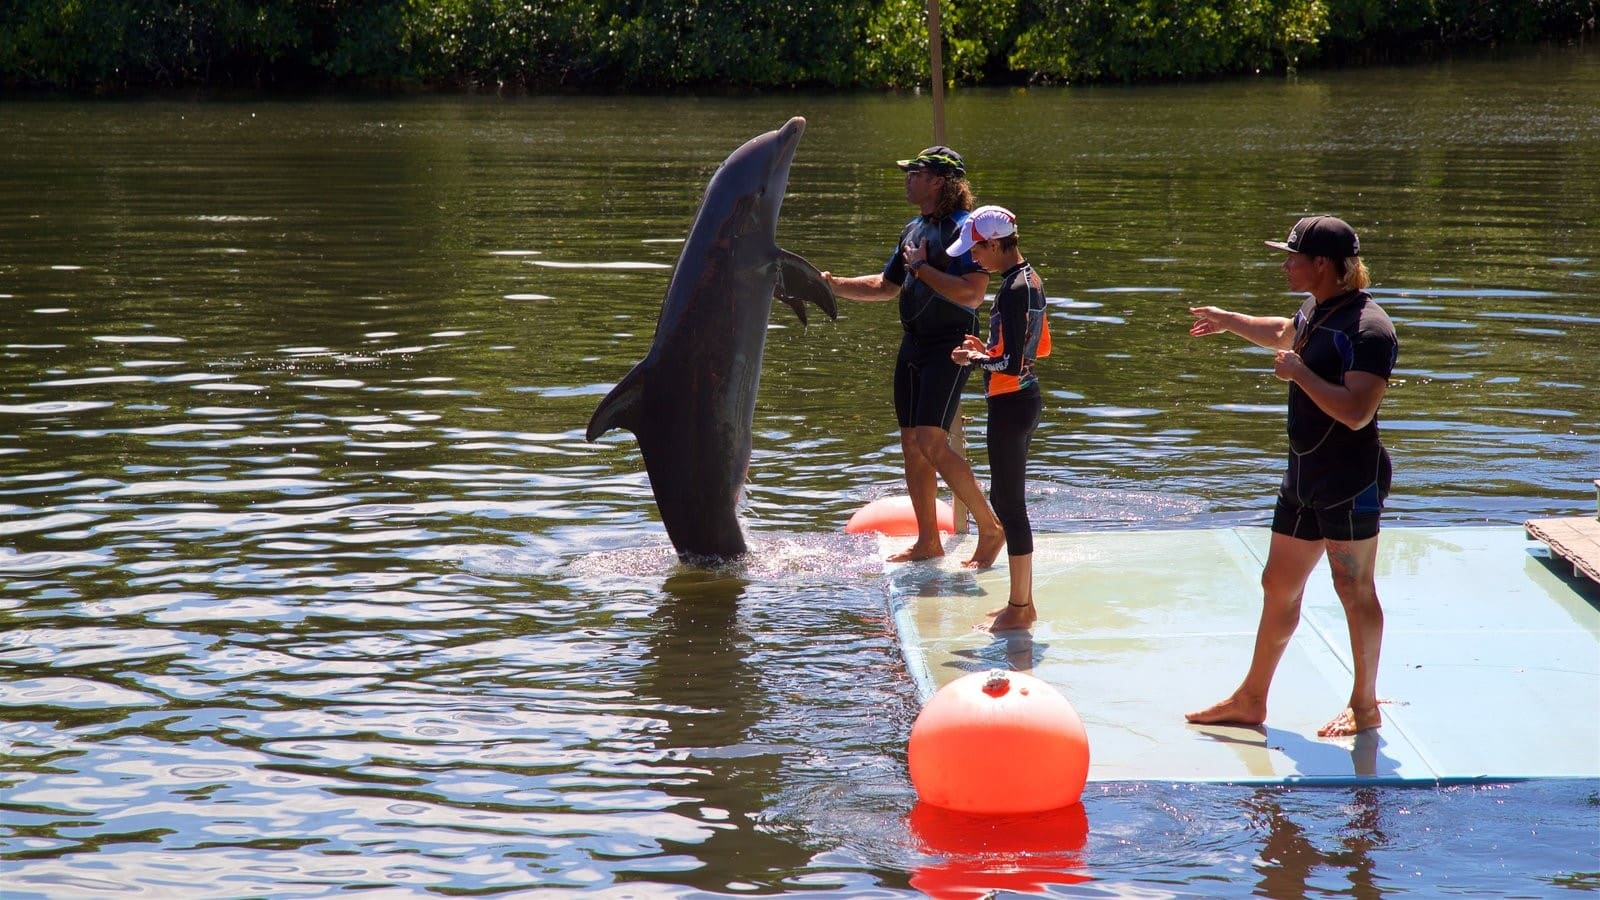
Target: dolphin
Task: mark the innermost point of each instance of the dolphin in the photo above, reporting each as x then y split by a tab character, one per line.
692	399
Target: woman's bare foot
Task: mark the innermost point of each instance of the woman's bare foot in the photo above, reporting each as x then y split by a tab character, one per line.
1012	617
1353	720
990	543
1236	710
917	551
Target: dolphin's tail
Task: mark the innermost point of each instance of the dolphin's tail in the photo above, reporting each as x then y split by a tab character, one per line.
620	408
800	283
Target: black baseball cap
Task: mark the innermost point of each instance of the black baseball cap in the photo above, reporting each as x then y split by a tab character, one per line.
1321	236
938	158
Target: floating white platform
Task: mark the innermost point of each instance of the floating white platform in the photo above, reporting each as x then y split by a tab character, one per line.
1490	670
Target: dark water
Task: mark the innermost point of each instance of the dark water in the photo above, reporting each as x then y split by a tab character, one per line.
310	585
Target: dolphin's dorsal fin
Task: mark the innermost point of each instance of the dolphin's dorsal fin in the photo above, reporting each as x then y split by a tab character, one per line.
620	408
800	283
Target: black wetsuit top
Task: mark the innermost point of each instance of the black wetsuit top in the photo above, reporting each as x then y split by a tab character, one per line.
1328	462
1018	335
930	319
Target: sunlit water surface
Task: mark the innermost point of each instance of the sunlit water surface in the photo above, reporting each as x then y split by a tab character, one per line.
311	586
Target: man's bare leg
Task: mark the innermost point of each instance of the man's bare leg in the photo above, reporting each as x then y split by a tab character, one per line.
1019	611
988	549
1283	584
957	473
1354	568
922	486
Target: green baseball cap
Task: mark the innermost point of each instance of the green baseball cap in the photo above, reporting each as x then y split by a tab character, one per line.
938	158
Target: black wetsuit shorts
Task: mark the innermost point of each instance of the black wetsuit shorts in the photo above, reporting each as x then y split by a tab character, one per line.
1355	519
927	384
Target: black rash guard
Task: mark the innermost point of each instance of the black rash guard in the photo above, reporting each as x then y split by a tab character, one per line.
1328	462
929	318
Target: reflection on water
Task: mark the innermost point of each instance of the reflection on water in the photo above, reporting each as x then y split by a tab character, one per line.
310	583
973	855
1290	860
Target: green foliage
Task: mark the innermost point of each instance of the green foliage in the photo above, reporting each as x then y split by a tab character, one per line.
1126	40
1387	27
456	42
654	45
978	38
642	45
896	44
110	44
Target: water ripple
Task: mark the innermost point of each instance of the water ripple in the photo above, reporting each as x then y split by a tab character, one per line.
69	692
48	560
54	407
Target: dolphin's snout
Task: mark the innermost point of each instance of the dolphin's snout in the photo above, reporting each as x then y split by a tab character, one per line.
787	139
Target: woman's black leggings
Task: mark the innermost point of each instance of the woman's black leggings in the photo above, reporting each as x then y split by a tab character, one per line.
1012	419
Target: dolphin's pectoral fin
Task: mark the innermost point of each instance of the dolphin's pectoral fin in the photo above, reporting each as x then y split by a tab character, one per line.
800	283
620	408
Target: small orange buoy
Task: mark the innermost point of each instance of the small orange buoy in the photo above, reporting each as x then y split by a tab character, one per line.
893	516
999	742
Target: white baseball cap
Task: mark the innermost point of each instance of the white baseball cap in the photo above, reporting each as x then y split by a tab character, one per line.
984	224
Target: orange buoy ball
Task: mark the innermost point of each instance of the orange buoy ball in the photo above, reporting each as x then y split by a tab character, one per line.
999	742
893	516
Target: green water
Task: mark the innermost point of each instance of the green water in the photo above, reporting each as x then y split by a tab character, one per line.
310	584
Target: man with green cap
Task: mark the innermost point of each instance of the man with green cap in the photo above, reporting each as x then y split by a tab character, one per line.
939	297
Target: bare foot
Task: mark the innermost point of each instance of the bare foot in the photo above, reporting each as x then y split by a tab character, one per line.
1236	710
917	551
1012	618
1353	720
989	546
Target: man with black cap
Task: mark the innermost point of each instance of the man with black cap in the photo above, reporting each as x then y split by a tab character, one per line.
939	298
1337	354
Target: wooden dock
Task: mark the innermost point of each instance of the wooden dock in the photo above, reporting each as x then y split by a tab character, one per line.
1576	539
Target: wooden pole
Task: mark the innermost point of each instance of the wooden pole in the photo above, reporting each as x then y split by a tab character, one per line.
958	440
936	54
936	64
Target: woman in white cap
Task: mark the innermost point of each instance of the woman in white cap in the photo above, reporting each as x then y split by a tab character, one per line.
1337	354
1018	335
